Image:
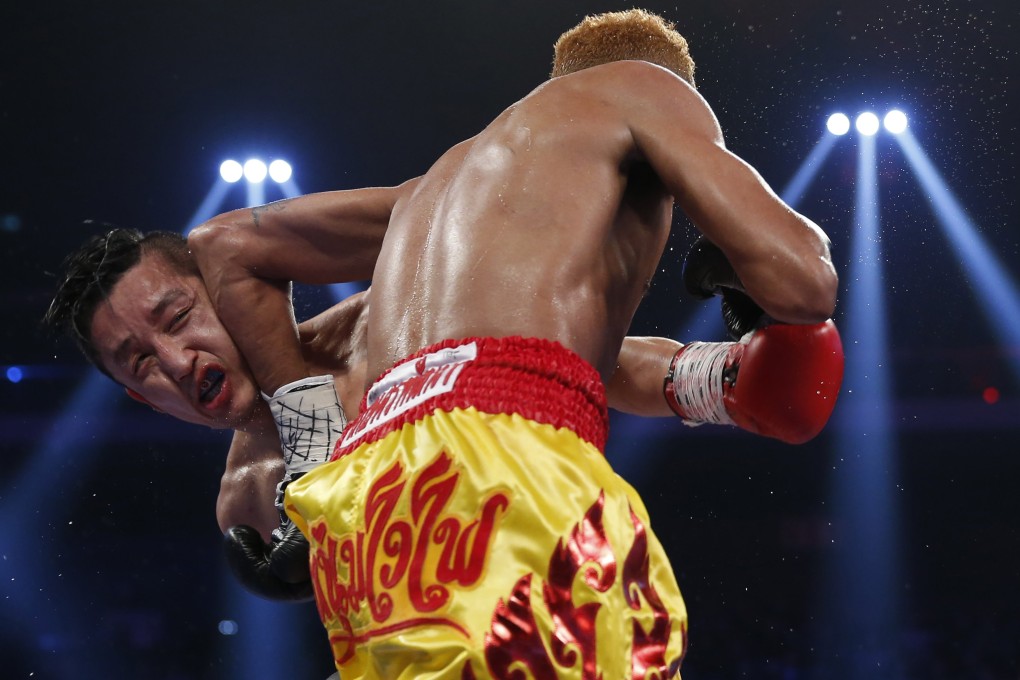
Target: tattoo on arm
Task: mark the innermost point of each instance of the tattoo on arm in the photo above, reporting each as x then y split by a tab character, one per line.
278	206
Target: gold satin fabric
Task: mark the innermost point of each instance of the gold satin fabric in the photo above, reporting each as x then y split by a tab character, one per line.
470	545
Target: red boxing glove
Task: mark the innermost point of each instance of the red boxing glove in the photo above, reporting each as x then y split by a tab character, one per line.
779	381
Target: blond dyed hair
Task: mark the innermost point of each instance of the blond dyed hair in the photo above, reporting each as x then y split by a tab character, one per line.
616	36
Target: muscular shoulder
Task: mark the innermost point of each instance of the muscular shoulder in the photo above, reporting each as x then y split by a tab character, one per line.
636	99
623	81
642	90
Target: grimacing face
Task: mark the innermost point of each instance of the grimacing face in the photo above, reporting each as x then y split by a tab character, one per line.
158	336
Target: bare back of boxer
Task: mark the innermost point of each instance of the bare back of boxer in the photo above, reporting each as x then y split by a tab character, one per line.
550	223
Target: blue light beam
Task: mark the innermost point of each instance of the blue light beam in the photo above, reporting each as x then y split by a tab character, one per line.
808	170
41	602
210	205
290	188
859	609
994	289
256	193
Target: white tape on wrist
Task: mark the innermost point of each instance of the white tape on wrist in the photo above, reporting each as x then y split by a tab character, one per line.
310	419
696	382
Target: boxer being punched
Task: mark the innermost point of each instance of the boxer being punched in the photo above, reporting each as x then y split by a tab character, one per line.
102	296
468	524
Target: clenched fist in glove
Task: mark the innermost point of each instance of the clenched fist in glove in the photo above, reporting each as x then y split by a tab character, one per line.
779	381
277	570
707	273
309	419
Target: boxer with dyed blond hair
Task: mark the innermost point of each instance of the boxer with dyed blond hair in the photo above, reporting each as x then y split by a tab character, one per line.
468	525
619	36
115	286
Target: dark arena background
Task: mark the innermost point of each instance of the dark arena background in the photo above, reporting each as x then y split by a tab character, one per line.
886	548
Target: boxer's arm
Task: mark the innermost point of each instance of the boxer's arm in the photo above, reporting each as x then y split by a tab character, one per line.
249	257
248	486
636	385
266	554
319	238
780	381
781	257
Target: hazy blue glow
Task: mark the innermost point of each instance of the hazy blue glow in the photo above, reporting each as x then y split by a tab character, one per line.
995	290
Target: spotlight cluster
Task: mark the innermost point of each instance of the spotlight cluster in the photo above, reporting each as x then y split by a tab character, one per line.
867	123
255	171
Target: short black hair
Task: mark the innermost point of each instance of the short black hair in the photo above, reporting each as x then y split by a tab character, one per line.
91	271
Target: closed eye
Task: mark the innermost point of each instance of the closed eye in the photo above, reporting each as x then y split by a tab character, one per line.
178	318
136	365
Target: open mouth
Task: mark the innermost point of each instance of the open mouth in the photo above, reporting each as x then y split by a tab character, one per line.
211	385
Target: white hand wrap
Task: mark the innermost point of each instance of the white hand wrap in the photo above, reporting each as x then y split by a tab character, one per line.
694	385
310	419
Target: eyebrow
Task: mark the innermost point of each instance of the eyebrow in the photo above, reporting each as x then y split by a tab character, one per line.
168	298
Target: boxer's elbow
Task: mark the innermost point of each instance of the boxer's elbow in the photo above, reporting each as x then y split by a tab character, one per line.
806	297
218	240
818	300
210	236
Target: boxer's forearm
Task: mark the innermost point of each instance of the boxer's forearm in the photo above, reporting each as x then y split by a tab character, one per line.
328	237
253	468
256	311
636	385
781	257
247	257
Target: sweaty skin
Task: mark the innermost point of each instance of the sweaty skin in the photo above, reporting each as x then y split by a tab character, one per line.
549	223
159	336
588	166
334	342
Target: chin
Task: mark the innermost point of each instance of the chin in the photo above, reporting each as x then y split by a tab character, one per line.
242	411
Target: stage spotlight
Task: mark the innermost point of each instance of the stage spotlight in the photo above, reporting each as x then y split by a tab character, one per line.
254	171
15	374
867	123
838	124
231	171
227	627
895	121
280	171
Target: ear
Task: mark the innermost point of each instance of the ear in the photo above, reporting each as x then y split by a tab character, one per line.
139	398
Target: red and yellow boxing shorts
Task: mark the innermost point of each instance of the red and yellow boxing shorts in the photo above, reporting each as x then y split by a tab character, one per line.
469	526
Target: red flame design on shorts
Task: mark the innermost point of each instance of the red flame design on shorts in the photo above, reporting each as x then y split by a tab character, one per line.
648	651
515	639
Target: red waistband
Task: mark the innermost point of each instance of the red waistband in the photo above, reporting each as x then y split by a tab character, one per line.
537	379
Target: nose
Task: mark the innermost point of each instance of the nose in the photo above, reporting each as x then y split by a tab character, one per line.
177	360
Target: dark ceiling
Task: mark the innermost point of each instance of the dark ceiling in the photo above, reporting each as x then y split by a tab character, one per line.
122	111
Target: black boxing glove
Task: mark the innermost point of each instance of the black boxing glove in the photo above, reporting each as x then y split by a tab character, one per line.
706	273
277	570
309	419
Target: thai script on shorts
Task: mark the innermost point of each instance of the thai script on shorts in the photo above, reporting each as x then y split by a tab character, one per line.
396	571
